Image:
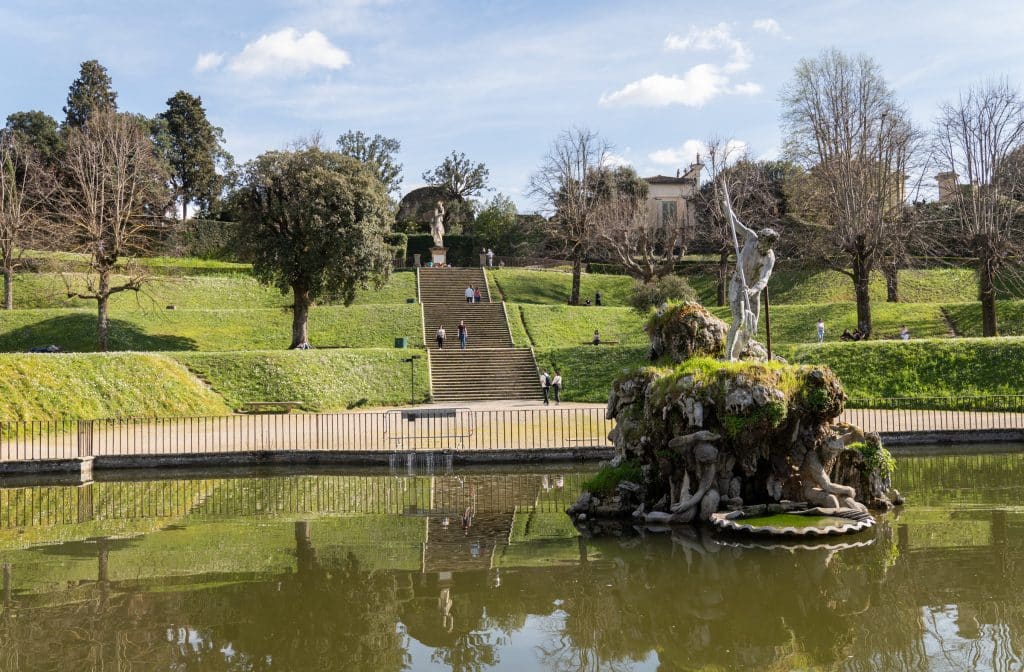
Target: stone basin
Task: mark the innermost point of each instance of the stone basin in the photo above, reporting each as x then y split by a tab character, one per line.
814	522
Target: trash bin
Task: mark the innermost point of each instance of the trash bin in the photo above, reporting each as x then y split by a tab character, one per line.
402	342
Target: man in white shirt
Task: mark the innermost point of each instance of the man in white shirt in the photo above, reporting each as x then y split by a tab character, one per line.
469	294
556	385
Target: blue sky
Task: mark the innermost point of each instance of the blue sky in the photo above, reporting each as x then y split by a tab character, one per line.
496	80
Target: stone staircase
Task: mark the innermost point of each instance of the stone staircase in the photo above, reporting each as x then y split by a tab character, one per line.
490	368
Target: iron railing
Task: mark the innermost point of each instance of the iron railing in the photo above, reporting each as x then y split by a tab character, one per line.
393	431
936	414
437	429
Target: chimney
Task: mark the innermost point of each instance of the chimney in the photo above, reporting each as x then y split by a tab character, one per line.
947	186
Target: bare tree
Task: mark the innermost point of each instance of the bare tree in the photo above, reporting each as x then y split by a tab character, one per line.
976	139
563	188
647	244
24	188
755	188
113	190
846	128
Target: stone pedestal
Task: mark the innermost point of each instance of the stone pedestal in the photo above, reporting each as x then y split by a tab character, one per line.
439	255
416	260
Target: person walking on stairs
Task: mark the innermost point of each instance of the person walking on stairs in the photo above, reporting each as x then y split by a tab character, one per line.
556	386
440	337
477	296
469	294
463	334
545	385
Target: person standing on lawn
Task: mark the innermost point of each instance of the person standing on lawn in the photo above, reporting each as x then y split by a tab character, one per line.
463	334
821	330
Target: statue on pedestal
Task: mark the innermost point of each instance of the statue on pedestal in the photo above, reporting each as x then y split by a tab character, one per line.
437	225
755	260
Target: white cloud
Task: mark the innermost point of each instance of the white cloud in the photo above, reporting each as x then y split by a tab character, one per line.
288	52
699	85
686	153
770	26
208	61
747	89
712	39
611	160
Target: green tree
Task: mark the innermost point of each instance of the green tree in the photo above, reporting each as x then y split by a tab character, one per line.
459	176
193	149
315	223
90	93
40	130
379	151
499	227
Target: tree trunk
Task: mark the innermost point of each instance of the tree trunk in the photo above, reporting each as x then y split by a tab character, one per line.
861	285
184	209
8	289
723	277
577	273
892	282
300	317
103	323
987	294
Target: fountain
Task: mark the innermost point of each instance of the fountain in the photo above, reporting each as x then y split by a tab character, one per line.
750	446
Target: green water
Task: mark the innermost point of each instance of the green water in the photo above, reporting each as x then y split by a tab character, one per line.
360	572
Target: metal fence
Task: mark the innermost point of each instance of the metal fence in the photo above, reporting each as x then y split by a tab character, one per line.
438	429
393	431
936	414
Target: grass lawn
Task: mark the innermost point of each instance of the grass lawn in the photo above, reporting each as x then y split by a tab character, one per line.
920	368
47	387
552	287
966	317
48	290
796	323
357	326
324	380
588	371
566	326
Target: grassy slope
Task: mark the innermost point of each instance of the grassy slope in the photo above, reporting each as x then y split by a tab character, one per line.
324	380
552	287
918	368
588	371
48	290
42	387
564	326
921	367
357	326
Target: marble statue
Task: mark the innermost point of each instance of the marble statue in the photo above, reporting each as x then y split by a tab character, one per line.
754	261
437	225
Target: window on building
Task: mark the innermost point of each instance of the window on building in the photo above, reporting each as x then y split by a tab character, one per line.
668	213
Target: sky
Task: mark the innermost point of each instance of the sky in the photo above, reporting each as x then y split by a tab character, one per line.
497	80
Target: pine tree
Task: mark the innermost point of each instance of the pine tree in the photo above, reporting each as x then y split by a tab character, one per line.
90	93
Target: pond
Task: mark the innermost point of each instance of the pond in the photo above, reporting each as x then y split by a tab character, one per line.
473	570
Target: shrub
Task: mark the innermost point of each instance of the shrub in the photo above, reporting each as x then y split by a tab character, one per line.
669	289
604	482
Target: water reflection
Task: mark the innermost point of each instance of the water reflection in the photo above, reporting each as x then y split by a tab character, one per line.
479	571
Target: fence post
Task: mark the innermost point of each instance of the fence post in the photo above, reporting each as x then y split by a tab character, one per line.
85	436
